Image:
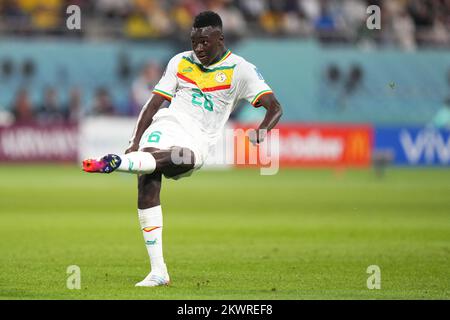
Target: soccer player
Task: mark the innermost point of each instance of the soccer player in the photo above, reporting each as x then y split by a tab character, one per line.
203	87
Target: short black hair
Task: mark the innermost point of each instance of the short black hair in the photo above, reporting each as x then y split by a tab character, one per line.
206	19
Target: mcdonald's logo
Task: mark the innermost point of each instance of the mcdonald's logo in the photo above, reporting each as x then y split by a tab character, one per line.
358	146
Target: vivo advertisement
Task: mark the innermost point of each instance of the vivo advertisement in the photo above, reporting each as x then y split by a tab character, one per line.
415	146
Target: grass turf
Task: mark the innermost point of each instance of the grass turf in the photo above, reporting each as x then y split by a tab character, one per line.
301	234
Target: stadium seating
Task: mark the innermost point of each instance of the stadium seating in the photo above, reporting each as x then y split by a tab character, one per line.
336	84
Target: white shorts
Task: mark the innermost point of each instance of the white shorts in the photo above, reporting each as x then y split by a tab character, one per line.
167	132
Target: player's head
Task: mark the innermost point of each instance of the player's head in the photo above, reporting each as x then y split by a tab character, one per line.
207	37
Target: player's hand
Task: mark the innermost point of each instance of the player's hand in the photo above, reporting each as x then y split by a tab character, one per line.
256	136
132	147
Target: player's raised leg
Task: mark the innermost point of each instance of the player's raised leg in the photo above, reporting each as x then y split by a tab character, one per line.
133	162
170	162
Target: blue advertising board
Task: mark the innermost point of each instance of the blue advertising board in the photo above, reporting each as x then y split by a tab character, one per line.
414	146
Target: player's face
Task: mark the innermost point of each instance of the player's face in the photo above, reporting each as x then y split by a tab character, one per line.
207	44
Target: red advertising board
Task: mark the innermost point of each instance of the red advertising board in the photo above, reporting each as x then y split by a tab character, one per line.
34	143
293	145
321	145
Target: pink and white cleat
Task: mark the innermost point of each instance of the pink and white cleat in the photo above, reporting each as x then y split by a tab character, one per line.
106	164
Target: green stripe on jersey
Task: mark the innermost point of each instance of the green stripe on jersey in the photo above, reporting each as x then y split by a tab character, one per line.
163	92
258	95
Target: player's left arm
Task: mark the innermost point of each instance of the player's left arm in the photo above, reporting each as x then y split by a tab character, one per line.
255	90
274	112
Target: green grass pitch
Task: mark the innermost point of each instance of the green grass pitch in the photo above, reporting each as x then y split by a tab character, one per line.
232	234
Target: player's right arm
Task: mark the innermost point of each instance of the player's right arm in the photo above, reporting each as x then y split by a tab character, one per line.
164	90
144	120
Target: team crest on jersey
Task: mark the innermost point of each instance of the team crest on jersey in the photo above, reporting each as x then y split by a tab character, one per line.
220	77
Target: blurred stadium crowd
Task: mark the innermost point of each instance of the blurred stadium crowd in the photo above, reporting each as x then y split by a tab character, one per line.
53	108
406	23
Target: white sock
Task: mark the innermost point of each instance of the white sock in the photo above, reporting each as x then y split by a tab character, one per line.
137	162
151	223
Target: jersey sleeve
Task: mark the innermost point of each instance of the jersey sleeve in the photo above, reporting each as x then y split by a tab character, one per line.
252	84
168	83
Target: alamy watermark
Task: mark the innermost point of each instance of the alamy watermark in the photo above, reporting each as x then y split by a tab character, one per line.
374	20
73	21
74	278
374	280
240	147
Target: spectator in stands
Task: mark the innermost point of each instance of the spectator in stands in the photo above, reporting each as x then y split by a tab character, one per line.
13	15
123	67
442	118
46	16
148	19
333	87
252	9
448	78
333	75
421	22
7	68
184	11
235	26
28	69
421	13
22	108
352	85
6	117
102	104
295	21
326	23
113	9
399	27
354	13
354	80
50	110
74	110
142	87
439	33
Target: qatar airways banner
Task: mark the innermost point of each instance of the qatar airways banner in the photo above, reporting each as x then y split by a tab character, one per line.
316	145
38	143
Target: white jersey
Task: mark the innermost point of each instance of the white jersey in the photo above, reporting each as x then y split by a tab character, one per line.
202	98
